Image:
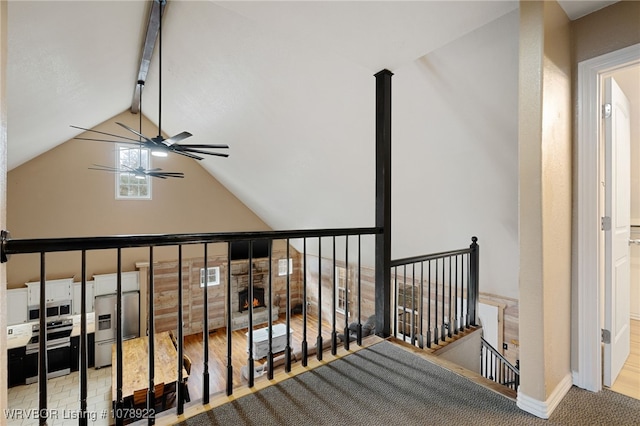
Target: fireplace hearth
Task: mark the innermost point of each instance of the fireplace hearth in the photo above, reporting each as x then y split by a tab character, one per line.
243	299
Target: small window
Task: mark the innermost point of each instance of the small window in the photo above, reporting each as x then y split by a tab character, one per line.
129	185
341	290
213	276
282	266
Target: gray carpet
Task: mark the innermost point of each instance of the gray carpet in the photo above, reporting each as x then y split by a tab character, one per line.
385	385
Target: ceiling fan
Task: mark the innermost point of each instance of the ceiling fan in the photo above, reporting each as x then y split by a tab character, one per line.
138	172
158	145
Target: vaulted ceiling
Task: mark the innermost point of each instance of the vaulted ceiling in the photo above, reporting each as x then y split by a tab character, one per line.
288	85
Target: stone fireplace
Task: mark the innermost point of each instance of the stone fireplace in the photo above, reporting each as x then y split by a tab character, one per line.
240	294
258	299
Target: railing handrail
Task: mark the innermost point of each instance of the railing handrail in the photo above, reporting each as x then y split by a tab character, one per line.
498	355
9	246
426	257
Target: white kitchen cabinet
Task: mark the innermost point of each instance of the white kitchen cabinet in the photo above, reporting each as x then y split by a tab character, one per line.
77	297
56	291
17	306
108	283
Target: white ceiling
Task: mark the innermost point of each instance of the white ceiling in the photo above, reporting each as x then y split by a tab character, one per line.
288	85
578	8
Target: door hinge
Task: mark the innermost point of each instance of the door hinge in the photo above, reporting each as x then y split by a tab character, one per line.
606	110
605	223
606	336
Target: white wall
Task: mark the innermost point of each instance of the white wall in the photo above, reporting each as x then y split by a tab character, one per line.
634	99
455	143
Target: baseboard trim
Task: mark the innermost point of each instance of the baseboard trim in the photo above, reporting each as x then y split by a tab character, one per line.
543	409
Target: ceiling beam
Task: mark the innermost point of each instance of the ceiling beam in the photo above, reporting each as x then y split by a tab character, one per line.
147	51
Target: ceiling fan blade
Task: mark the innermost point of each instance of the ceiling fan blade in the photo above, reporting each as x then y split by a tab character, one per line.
107	140
177	138
135	132
197	151
186	154
103	168
165	175
104	133
211	146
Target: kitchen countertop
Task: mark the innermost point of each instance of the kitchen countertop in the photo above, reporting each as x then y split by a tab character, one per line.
18	335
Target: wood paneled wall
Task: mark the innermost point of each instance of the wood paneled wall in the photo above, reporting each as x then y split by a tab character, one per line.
165	275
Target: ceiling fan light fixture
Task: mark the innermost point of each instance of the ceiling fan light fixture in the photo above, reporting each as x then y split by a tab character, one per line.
159	152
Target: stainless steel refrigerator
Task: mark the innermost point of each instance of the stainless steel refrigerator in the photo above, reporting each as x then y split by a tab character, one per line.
106	321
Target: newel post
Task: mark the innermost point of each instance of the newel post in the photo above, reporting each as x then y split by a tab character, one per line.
383	203
474	289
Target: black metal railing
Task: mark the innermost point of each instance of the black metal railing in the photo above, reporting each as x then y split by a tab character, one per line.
496	367
435	295
349	239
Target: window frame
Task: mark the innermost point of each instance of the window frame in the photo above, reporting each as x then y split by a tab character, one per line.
341	289
210	283
282	267
120	175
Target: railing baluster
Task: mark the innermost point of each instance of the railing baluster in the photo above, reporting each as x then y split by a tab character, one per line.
119	355
451	320
151	398
319	338
304	303
404	303
436	334
270	314
413	304
287	350
429	304
455	299
83	341
445	326
250	361
180	384
396	292
359	333
347	305
334	333
229	325
42	343
205	328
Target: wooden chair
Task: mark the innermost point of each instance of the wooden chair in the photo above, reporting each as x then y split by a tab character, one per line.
140	397
187	366
174	340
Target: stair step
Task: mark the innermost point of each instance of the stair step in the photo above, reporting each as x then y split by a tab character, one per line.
431	355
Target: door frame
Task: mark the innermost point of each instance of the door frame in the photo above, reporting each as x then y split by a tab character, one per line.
588	277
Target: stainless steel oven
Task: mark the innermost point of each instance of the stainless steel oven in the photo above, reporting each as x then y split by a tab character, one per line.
53	310
58	349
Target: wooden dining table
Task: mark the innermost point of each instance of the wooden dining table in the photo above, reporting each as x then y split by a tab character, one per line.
135	368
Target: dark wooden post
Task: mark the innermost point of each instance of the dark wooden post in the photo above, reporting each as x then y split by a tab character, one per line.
474	264
383	203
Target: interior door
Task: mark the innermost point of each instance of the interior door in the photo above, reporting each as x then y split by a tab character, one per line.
617	208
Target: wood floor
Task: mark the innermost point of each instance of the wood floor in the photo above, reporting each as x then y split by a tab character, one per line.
628	382
218	354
